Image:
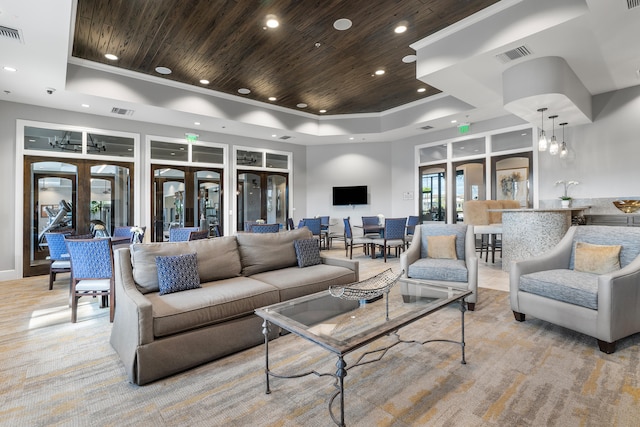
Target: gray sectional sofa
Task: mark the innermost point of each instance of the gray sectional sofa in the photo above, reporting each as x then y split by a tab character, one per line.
160	335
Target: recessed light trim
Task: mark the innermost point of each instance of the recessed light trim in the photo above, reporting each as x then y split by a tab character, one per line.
420	90
111	57
400	29
342	24
10	69
196	123
244	91
409	59
302	105
272	21
379	72
273	98
323	111
85	105
205	81
163	70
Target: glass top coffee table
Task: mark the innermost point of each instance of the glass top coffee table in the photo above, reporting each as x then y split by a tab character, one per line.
343	325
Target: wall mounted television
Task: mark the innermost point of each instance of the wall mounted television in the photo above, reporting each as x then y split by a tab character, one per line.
354	195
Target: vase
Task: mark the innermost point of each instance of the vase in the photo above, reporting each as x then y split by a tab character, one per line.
565	203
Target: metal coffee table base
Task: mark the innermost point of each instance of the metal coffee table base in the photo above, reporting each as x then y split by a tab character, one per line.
341	365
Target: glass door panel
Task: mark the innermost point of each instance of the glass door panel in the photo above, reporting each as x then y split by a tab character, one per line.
276	199
469	184
168	202
249	199
432	193
262	195
208	190
110	196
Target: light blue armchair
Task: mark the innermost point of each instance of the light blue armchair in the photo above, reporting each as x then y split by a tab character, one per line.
459	271
603	305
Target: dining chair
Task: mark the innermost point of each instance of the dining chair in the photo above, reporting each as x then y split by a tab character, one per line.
394	229
60	262
371	226
91	272
314	225
324	229
265	228
412	221
198	235
215	231
290	224
181	234
350	240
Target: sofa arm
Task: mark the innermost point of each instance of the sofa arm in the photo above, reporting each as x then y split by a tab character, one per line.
347	263
134	316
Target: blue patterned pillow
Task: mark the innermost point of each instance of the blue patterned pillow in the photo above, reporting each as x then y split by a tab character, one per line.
177	273
307	252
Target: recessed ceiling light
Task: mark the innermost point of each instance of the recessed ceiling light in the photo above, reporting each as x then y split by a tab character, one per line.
323	111
86	105
196	123
204	81
301	105
409	59
272	98
173	154
272	21
342	24
163	70
422	90
111	57
181	148
379	72
11	69
454	121
244	91
351	138
400	29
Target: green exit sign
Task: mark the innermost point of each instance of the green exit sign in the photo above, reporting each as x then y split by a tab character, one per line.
191	137
464	127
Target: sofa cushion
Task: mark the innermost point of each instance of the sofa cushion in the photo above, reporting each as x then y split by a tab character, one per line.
450	270
215	302
441	247
296	282
270	251
307	252
597	259
217	259
177	273
570	286
443	230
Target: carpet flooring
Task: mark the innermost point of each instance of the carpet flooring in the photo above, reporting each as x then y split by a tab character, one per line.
54	373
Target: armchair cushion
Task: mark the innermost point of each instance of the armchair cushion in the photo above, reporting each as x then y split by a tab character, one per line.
451	270
444	230
177	273
570	286
441	247
597	259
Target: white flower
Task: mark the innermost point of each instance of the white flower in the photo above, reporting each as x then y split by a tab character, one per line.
566	184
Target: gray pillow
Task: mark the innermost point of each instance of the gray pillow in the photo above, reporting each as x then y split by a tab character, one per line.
177	273
270	251
307	252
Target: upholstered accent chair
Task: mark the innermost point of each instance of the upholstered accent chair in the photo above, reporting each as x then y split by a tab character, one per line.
443	254
594	290
91	272
181	234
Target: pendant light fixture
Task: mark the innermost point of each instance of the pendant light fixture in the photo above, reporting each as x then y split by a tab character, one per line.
553	146
563	145
542	141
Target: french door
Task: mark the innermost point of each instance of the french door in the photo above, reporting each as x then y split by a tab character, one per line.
64	194
262	196
433	193
185	196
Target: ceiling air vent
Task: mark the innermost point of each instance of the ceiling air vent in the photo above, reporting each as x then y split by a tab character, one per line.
426	127
10	33
633	3
122	111
513	54
285	137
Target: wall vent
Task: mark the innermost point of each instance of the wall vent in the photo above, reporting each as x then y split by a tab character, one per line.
632	3
122	111
11	34
426	127
285	137
513	54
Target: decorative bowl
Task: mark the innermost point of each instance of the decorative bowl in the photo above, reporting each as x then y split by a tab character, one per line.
627	206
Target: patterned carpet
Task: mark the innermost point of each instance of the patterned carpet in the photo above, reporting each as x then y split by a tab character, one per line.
53	372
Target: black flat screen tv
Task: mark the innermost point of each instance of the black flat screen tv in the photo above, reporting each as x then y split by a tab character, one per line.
355	195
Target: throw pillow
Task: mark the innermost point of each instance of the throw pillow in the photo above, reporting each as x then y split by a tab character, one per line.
597	259
177	273
307	252
441	247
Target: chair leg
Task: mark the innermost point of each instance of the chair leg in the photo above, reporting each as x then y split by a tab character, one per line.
520	317
74	308
471	306
607	347
52	278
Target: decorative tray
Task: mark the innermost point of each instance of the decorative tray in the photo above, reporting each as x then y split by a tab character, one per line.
367	289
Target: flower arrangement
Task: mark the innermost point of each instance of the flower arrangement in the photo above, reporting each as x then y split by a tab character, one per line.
566	184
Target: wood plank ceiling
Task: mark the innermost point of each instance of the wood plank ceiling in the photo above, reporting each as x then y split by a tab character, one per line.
304	60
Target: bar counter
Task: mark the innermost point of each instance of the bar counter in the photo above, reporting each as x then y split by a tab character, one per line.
530	232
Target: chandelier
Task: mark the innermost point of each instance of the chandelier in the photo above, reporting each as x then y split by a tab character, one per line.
66	144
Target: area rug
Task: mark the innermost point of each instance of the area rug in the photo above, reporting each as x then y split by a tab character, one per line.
54	373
